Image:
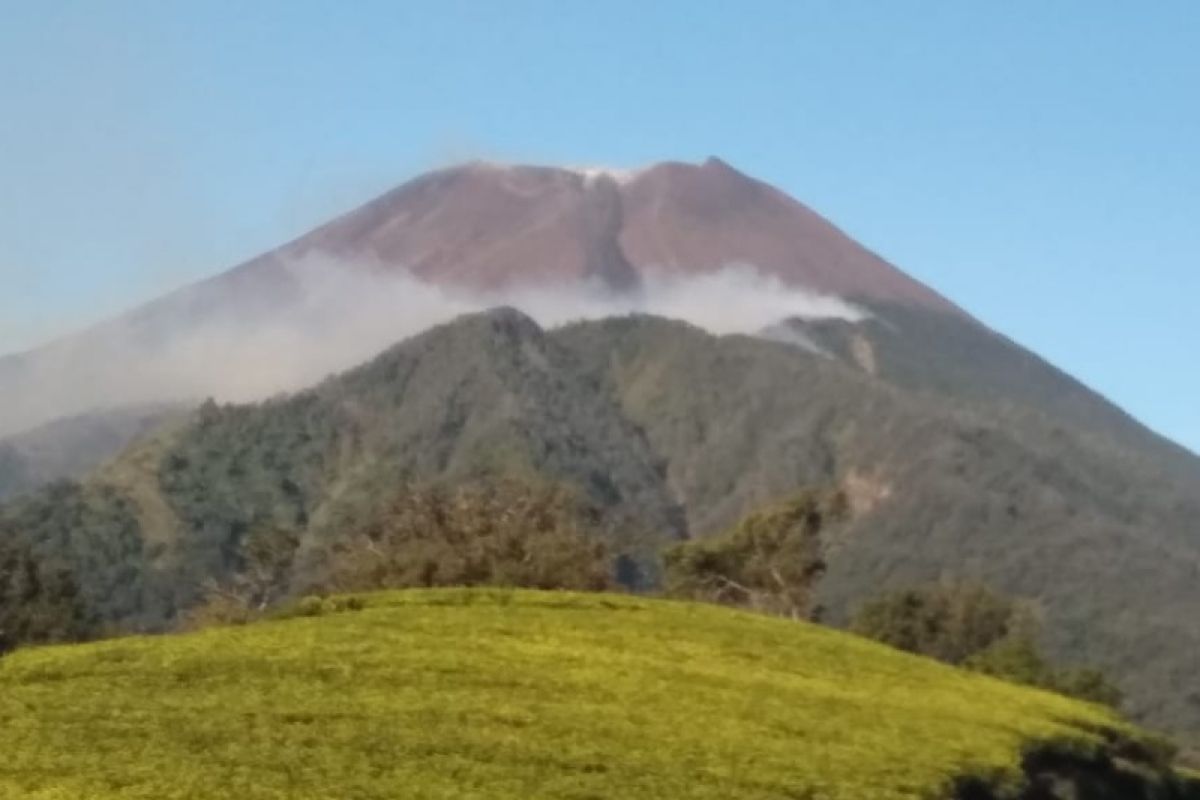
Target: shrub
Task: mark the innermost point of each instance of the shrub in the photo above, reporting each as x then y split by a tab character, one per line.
316	606
1086	683
220	606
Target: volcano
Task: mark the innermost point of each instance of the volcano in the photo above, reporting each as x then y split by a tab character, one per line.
963	454
488	226
478	229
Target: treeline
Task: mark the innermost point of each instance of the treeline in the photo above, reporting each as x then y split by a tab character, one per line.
545	536
39	599
499	533
971	626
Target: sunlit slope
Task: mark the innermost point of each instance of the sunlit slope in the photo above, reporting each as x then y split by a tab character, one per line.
495	694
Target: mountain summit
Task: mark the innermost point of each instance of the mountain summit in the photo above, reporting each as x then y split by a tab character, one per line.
488	226
478	232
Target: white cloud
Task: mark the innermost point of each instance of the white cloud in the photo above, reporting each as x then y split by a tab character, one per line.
346	314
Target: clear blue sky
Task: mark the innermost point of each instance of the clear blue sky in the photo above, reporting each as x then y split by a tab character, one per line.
1039	162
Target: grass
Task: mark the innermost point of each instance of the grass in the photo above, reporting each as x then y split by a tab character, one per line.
511	694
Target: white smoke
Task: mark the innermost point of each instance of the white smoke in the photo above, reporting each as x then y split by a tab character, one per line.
345	315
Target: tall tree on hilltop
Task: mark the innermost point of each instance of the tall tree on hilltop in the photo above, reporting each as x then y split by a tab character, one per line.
771	561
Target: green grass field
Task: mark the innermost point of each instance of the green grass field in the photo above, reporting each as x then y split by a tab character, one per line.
510	694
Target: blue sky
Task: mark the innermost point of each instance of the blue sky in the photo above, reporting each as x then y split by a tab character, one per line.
1037	162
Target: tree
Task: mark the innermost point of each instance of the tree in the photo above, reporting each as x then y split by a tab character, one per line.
39	600
261	579
1089	683
769	562
971	626
951	622
501	533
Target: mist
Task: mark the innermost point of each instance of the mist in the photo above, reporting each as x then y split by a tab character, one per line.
342	315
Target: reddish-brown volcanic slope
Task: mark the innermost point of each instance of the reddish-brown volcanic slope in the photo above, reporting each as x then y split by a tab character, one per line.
491	227
477	226
692	219
487	227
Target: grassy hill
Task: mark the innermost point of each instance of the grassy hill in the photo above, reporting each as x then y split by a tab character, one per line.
512	694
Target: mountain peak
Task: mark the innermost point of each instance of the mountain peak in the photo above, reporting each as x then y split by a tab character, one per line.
485	225
475	235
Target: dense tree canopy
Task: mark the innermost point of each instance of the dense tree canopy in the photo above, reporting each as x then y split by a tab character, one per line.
39	600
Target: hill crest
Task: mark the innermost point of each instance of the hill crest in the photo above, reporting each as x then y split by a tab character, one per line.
515	694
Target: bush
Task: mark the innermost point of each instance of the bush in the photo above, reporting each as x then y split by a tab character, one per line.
317	606
220	606
1085	683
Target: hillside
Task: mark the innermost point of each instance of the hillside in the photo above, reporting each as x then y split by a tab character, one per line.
1061	509
499	694
72	447
668	432
949	357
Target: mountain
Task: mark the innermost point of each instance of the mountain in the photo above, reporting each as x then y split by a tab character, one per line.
489	226
964	454
507	695
71	447
478	229
670	432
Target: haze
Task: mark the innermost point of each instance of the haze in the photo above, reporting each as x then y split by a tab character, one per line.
347	313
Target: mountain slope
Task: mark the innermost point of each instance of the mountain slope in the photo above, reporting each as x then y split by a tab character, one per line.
669	431
695	219
949	357
486	226
71	447
1105	540
489	395
497	694
964	454
471	229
